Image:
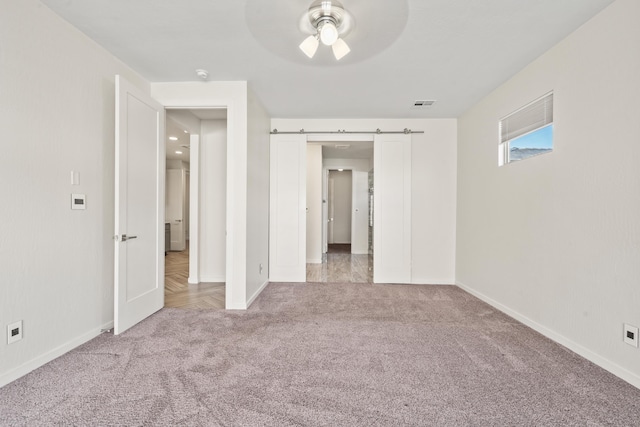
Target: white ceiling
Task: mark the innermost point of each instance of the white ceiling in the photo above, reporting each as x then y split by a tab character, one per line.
453	51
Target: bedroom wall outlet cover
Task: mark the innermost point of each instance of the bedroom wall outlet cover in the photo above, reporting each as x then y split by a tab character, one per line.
631	335
14	332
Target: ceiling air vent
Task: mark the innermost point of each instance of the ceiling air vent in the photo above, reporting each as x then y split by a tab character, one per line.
342	146
423	103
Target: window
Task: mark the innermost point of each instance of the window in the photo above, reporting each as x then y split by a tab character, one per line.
527	132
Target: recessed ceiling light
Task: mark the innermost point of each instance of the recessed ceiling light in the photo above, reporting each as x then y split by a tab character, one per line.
178	152
340	170
186	131
173	138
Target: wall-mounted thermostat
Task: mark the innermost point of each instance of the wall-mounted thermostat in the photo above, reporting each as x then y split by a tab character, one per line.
78	201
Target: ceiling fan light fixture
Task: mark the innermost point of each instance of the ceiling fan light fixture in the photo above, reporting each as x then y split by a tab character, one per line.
328	22
340	49
328	33
310	45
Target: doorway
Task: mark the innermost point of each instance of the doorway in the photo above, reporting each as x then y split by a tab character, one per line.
340	172
339	204
196	208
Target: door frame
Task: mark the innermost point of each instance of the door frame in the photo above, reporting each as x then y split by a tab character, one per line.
325	207
194	197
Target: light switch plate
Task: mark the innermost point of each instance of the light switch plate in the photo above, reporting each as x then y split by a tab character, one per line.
78	201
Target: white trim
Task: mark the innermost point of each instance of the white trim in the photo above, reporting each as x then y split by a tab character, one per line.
194	210
233	97
314	261
211	279
257	293
606	364
432	282
53	354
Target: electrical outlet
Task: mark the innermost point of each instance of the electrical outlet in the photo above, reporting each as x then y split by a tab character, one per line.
630	335
260	268
14	332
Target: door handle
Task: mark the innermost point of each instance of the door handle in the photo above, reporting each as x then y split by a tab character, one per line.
124	238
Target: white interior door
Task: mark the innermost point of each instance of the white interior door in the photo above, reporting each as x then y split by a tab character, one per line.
325	210
174	208
287	219
139	206
332	212
360	214
392	209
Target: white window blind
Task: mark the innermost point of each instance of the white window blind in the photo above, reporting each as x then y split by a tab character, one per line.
535	115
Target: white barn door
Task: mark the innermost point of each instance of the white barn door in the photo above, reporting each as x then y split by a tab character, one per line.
392	208
360	214
287	219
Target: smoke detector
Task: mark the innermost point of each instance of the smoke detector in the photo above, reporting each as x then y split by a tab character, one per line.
202	74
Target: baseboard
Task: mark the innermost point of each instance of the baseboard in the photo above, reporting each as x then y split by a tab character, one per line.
193	281
257	293
421	281
47	357
314	261
213	279
595	358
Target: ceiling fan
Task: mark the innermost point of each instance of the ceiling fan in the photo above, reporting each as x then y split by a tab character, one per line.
326	21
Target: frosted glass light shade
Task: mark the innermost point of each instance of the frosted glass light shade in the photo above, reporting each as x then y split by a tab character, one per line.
309	46
340	49
328	33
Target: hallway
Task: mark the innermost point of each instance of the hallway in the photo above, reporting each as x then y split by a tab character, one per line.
178	293
340	266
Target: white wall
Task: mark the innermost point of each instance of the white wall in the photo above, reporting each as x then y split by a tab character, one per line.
257	265
213	207
555	240
184	167
57	110
314	203
342	193
433	187
233	96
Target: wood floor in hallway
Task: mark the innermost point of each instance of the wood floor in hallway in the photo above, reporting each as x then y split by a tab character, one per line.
340	266
178	293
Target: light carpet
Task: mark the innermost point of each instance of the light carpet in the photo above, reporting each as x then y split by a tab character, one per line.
325	355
